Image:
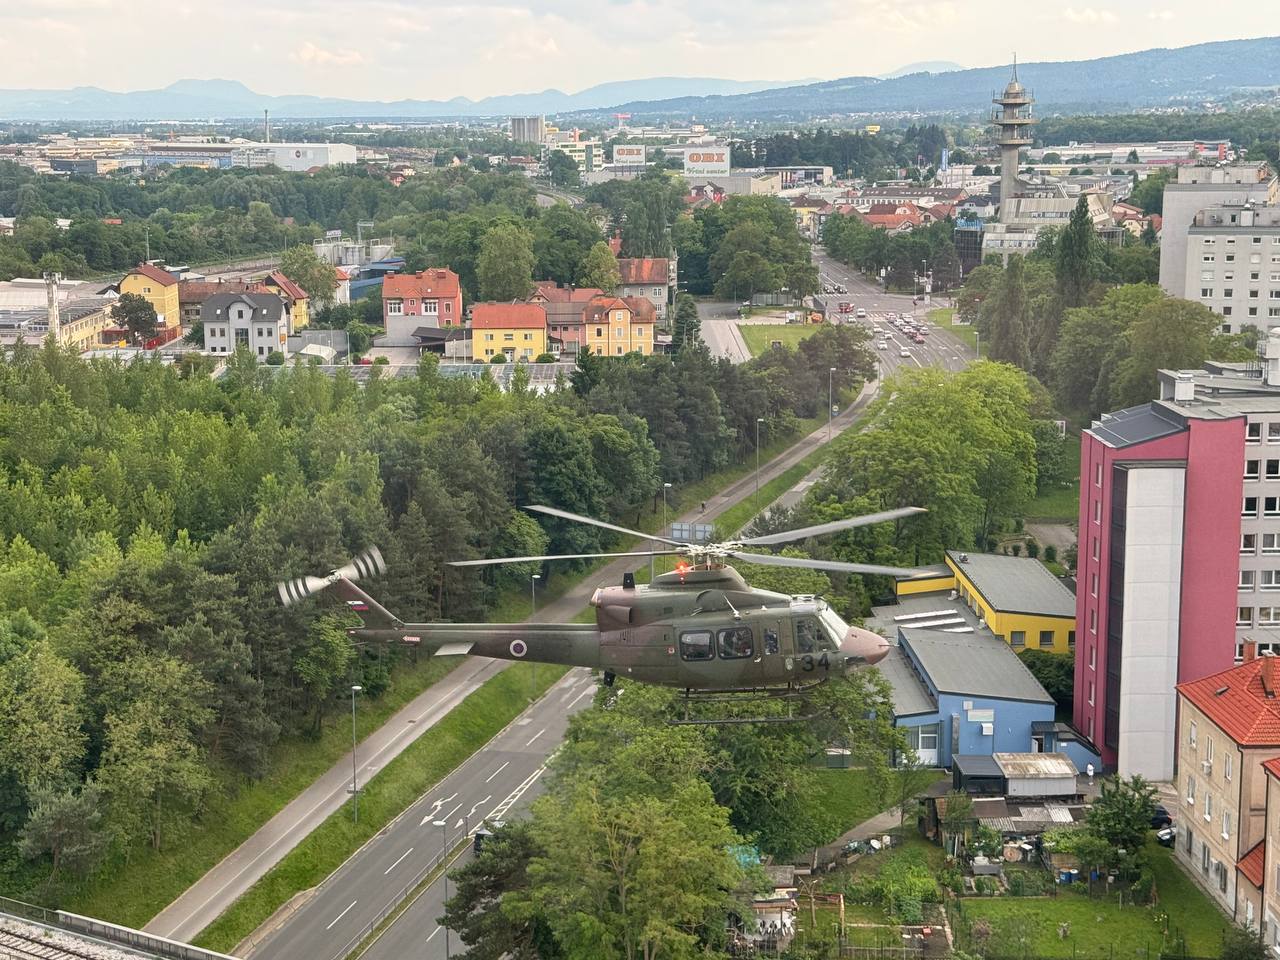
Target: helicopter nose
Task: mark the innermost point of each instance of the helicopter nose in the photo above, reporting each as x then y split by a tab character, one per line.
863	646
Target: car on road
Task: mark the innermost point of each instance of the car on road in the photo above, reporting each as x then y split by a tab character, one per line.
906	317
861	314
917	338
882	345
904	352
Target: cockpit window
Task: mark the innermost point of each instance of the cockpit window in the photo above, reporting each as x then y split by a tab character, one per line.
806	635
736	643
834	627
696	645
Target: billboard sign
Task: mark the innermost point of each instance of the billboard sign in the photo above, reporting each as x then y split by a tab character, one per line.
706	161
629	154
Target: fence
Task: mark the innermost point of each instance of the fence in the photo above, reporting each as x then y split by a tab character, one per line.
111	932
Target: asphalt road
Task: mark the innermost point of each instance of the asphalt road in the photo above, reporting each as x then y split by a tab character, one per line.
496	781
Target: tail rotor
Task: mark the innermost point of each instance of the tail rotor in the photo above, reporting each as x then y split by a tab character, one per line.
365	566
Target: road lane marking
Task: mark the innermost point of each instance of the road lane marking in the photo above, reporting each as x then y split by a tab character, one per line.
496	772
432	934
397	863
536	736
472	811
501	809
341	915
574	701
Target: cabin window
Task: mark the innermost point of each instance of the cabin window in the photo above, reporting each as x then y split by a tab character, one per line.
736	643
770	642
806	635
696	645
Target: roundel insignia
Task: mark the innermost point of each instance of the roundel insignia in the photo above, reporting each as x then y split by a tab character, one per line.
791	664
671	651
519	648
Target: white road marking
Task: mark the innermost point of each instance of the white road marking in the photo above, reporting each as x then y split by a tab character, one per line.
452	812
590	689
496	772
397	863
341	915
536	736
472	811
500	810
431	934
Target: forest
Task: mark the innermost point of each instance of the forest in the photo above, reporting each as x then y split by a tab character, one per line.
146	515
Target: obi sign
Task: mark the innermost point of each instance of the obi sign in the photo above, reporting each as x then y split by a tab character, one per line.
629	154
707	161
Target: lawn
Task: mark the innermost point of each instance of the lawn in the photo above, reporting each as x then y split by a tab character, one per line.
1061	505
944	318
1103	928
132	893
759	336
465	729
853	796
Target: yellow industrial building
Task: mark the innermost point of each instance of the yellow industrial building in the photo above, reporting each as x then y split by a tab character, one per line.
159	288
1018	598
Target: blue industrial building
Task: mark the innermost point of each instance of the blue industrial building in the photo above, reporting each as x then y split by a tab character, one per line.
968	693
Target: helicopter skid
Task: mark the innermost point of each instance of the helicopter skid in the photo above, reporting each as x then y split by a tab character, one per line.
791	692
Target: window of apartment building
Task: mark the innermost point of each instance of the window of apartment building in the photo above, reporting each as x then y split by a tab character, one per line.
1093	657
508	337
395	308
1071	639
1270	579
528	336
1228	291
1206	293
1251	468
1273	433
1093	621
1046	639
1097	474
1018	638
1204	858
1191	791
1226	767
1253	433
1268	616
1190	841
1208	807
1209	258
1253	294
1257	241
618	350
1244	616
1092	691
1095	548
1097	510
599	331
431	308
1191	738
1246	580
1090	726
1248	508
1253	311
1209	241
1273	469
1255	258
1206	275
1271	506
1093	584
1230	258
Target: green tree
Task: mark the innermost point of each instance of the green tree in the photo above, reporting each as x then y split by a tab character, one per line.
304	267
1122	814
687	328
1008	335
42	743
1055	672
562	169
135	312
323	663
748	273
1169	334
599	269
360	337
67	825
1241	943
1076	256
504	268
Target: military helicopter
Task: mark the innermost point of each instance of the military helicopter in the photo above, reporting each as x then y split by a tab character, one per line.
700	628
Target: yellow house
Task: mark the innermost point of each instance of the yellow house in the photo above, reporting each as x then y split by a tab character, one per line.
1020	601
613	326
159	288
294	297
517	330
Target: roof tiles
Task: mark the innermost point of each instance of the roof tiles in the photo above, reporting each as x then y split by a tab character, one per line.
152	272
1238	702
644	269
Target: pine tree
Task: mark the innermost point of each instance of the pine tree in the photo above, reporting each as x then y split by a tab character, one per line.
1075	257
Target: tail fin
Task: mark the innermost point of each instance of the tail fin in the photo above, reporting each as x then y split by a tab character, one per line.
372	614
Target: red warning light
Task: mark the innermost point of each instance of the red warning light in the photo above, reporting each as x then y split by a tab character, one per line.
682	567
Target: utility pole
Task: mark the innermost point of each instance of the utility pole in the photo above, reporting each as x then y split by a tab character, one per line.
355	792
533	608
444	849
831	403
146	230
759	420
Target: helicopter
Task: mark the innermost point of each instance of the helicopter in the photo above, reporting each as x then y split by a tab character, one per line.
700	628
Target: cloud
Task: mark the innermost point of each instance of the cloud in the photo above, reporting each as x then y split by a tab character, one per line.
311	55
1088	15
1165	15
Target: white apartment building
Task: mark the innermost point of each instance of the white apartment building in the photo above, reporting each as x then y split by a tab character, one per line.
1233	264
1196	189
258	321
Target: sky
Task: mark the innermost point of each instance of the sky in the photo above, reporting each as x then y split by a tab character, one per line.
424	49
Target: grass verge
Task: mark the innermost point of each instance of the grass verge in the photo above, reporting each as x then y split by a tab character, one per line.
432	756
945	317
853	797
1061	505
760	337
132	893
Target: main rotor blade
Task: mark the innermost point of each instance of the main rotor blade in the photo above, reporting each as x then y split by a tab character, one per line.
837	566
561	556
790	536
566	515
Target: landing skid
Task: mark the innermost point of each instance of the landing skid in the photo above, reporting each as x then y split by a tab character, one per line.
789	693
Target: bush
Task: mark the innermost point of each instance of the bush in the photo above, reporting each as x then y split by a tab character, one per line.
1144	886
1033	548
1051	554
499	358
275	359
910	910
1025	884
381	361
545	358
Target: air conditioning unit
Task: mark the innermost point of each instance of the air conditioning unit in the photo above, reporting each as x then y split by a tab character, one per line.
988	729
1206	767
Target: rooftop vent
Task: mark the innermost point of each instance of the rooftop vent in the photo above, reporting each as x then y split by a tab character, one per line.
1184	387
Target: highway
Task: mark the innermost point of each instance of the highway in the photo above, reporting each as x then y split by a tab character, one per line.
495	782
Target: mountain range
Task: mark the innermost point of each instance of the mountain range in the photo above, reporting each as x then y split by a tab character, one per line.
223	99
1182	76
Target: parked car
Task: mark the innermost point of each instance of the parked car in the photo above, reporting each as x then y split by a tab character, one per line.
1161	817
1167	836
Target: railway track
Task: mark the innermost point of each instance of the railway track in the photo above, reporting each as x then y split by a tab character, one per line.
20	946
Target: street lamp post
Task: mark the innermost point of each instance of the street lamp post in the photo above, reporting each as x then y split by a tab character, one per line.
831	403
758	421
533	608
444	849
355	790
977	343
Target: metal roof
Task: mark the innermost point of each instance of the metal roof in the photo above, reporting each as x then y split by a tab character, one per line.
908	694
1124	428
972	665
1042	766
1015	584
976	765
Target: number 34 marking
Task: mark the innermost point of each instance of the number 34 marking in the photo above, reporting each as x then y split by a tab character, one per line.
807	662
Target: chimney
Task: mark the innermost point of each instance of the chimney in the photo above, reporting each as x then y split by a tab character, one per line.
1270	676
1250	648
51	284
1184	387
